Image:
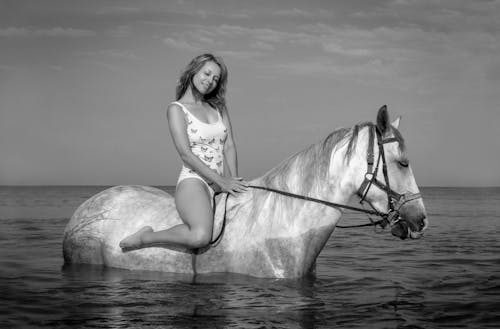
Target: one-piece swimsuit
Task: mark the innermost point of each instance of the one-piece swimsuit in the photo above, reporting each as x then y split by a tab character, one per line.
206	141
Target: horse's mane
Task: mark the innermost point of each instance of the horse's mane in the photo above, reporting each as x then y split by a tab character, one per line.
313	162
305	173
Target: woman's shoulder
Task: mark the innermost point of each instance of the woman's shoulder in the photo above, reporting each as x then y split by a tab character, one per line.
175	109
176	106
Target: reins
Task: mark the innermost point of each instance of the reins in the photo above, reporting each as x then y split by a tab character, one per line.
395	200
324	202
306	198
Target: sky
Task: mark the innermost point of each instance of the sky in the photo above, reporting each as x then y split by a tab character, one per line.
84	85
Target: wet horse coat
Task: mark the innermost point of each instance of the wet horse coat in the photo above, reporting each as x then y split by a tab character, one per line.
266	234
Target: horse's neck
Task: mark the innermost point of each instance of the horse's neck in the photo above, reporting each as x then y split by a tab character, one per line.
321	177
290	232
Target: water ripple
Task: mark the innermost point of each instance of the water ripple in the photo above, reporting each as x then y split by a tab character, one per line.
448	279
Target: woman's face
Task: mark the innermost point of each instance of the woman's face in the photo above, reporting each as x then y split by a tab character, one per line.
207	78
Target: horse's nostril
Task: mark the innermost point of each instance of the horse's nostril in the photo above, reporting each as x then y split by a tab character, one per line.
424	223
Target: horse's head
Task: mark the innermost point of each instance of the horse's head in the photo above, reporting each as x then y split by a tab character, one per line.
388	184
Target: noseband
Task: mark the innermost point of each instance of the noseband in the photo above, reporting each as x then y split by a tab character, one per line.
395	200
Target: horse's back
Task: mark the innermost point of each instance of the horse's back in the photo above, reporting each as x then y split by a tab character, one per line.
94	231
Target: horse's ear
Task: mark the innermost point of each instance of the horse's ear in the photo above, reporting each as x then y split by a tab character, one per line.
396	122
383	120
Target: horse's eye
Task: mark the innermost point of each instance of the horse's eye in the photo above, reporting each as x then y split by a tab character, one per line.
403	163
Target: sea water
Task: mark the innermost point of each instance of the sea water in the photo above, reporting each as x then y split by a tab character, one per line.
365	279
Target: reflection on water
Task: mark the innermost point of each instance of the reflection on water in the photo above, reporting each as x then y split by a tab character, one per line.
95	296
448	279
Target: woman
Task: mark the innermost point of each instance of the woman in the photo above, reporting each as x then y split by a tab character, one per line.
202	134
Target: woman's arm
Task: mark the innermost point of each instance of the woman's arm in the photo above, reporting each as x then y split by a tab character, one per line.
230	154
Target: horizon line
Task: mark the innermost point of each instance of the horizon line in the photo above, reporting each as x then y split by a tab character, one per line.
107	185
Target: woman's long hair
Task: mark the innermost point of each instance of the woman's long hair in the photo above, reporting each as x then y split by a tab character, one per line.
217	97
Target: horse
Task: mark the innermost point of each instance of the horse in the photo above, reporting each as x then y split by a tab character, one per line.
274	230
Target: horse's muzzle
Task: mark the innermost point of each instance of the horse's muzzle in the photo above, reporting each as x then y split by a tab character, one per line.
402	230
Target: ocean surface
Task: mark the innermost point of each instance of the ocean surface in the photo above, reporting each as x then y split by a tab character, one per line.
448	279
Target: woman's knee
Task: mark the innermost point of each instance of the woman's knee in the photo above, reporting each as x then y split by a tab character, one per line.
200	238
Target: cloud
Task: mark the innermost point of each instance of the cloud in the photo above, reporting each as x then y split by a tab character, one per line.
196	39
188	11
120	31
52	32
56	67
109	53
368	43
180	44
14	32
226	40
64	32
202	36
449	15
124	53
405	53
262	34
262	46
326	65
118	10
404	46
402	57
240	54
205	36
294	12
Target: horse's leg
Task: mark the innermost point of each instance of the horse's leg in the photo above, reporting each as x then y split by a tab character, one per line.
194	205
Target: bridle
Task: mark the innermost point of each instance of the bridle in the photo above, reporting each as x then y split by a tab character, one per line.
395	200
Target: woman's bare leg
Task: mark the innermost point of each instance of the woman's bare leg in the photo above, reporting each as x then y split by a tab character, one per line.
194	205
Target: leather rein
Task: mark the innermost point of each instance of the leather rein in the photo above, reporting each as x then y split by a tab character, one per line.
395	200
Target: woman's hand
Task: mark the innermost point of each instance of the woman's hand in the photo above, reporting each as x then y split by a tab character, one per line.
232	185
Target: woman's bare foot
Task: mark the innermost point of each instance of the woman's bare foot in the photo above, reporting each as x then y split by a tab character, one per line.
134	241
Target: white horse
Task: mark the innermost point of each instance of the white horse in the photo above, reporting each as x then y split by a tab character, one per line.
266	234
